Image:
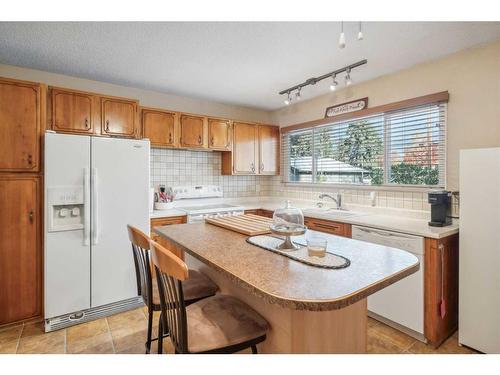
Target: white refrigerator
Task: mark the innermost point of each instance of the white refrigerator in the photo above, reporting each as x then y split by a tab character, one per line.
479	262
94	187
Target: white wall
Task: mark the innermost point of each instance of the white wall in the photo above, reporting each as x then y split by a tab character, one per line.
472	78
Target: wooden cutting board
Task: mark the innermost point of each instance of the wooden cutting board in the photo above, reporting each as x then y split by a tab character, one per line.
251	225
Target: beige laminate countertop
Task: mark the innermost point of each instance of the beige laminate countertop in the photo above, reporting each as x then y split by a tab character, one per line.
394	220
287	282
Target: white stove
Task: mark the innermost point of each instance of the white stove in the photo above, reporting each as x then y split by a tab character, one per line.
198	212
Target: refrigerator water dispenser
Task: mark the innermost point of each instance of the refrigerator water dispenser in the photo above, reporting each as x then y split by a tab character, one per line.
65	208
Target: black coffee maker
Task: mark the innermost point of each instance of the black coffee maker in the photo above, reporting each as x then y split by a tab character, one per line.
440	201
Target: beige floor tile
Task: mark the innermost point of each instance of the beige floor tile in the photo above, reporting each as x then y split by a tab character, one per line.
372	322
450	346
386	333
92	337
35	340
9	338
379	345
128	329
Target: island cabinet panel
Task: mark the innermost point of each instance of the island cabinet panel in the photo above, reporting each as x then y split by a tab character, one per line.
160	127
20	249
269	140
72	111
327	226
440	289
119	117
193	131
219	134
22	119
155	223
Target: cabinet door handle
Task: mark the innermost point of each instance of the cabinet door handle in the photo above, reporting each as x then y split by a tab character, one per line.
169	137
30	159
107	125
212	140
252	167
199	139
31	216
86	123
261	167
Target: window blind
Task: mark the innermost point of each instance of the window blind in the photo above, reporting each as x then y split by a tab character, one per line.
402	147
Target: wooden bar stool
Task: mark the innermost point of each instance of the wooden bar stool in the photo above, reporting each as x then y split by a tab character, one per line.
218	324
197	287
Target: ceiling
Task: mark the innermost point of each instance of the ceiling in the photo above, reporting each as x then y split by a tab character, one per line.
238	63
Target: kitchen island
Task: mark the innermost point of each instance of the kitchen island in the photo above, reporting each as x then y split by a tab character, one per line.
309	309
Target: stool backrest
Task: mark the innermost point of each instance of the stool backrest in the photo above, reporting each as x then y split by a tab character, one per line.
140	251
170	272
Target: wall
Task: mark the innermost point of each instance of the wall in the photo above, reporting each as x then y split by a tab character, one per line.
471	77
147	98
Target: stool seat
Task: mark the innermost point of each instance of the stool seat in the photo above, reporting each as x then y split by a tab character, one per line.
198	286
222	321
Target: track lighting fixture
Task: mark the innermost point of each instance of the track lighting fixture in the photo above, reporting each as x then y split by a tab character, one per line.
348	80
334	84
288	100
314	80
297	94
360	33
342	35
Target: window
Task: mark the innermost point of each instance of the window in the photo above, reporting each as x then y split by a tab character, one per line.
403	147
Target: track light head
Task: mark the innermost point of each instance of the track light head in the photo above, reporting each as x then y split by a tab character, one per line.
334	84
288	99
348	80
360	33
342	35
297	95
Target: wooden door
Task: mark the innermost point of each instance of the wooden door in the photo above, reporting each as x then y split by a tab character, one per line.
192	131
244	148
159	127
72	111
20	251
269	140
21	121
219	134
119	117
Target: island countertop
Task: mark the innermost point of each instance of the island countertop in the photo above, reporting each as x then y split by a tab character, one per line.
289	283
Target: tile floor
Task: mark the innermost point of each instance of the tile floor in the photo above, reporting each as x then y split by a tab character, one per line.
126	332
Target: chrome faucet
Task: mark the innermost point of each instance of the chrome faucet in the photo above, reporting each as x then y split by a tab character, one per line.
337	200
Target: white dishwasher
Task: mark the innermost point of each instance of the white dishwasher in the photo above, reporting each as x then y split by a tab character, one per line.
401	303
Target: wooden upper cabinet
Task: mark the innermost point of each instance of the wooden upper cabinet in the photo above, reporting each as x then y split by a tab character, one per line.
159	127
244	148
193	130
219	134
72	111
20	249
119	117
22	119
269	140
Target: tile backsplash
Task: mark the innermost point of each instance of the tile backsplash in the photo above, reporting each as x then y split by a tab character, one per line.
185	167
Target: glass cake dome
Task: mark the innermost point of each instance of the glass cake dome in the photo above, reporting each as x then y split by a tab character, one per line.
288	221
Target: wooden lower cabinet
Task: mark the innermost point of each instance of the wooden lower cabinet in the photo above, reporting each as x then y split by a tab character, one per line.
165	221
440	288
327	226
20	249
260	212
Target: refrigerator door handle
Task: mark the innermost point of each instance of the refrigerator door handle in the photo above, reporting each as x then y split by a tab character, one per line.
86	206
95	207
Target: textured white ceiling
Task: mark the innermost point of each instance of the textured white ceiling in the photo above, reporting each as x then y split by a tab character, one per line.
237	63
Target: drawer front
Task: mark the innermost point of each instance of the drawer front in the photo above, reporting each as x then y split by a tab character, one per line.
326	226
